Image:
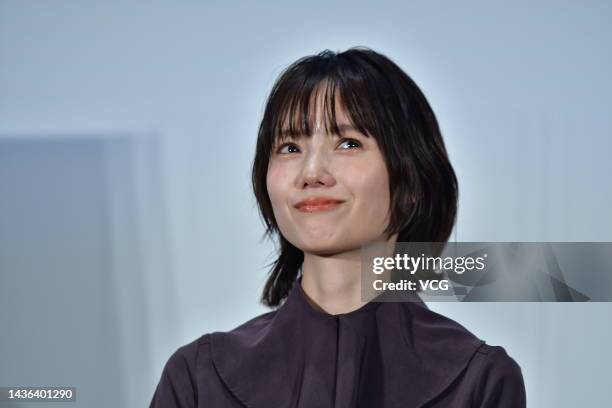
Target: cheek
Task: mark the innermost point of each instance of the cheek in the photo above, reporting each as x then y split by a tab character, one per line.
371	189
276	183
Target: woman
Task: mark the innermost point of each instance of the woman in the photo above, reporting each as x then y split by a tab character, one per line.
349	152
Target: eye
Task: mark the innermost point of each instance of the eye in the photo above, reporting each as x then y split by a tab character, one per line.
282	149
346	142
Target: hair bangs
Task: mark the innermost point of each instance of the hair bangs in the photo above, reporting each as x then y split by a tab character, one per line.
315	104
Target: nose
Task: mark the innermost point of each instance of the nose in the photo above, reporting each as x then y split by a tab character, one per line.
316	170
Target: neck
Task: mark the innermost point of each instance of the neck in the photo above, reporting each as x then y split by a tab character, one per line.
332	283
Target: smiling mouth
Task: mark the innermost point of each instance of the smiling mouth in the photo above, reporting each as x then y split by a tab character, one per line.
326	206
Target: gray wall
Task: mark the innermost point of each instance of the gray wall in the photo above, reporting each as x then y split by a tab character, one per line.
126	134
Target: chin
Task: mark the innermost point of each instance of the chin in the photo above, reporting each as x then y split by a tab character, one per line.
324	246
321	247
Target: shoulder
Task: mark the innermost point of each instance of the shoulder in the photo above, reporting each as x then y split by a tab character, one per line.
188	356
500	380
177	386
490	378
189	372
185	357
496	359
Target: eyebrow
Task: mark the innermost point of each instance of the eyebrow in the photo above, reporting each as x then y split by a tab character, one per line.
343	127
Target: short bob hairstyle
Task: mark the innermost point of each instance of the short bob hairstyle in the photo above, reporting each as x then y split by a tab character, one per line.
383	102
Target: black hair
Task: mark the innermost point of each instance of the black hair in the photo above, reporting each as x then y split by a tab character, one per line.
383	102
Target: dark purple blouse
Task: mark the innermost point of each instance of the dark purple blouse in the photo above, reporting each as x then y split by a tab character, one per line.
391	355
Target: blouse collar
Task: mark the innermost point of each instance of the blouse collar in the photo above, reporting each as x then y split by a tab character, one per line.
420	352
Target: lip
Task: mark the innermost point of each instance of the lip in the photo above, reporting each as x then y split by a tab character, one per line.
318	204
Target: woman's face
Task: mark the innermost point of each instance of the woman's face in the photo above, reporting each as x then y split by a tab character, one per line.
349	168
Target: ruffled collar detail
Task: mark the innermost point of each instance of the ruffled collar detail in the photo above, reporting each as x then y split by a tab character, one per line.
390	355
